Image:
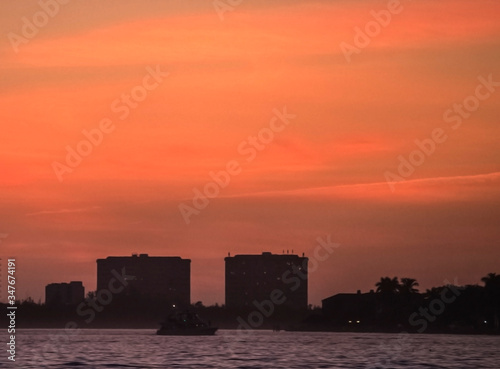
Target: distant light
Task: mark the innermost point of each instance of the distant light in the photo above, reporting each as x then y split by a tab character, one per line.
173	305
485	322
350	321
357	321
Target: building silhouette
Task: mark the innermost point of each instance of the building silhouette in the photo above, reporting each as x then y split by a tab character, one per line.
156	277
251	279
353	308
370	308
63	294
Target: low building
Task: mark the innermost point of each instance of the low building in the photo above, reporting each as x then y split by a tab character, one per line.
354	308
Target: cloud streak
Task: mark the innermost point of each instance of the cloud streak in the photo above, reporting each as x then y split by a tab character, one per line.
64	211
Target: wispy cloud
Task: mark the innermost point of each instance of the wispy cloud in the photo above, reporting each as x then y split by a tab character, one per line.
64	211
367	188
3	236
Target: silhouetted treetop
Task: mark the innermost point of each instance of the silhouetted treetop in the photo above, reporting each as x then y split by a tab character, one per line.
387	286
407	286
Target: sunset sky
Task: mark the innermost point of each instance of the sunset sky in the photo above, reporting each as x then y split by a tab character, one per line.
229	71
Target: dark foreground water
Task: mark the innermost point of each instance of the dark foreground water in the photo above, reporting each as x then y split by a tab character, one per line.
258	349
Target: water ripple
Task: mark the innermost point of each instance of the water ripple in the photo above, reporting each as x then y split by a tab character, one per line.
95	349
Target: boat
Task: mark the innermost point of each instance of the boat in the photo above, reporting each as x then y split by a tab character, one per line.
185	323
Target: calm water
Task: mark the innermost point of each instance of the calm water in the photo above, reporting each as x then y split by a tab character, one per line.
257	349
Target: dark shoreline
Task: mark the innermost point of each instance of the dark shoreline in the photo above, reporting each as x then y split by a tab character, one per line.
153	330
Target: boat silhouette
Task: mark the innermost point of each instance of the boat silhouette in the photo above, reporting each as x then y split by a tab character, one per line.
185	323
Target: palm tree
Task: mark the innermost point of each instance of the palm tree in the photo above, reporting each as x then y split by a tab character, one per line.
408	285
433	292
492	288
91	295
387	286
491	281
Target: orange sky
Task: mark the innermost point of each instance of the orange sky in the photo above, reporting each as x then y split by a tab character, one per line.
324	173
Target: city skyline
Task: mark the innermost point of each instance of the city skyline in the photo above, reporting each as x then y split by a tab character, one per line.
181	128
292	276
